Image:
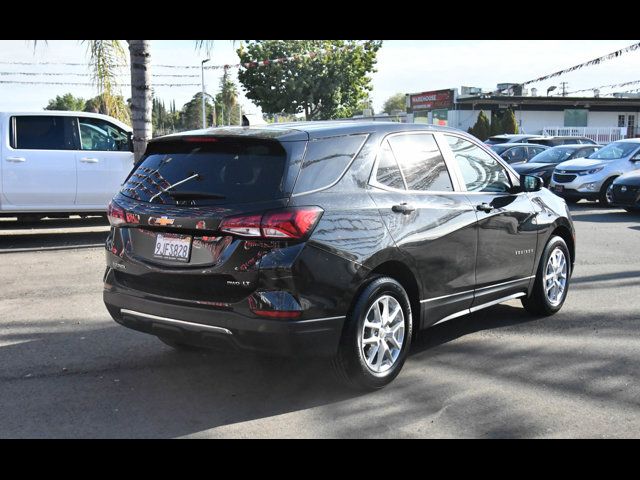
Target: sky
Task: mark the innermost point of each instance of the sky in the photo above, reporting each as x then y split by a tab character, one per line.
405	66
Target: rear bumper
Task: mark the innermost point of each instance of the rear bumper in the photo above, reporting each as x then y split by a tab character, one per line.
224	329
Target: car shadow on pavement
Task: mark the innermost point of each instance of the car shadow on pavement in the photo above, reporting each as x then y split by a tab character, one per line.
115	382
82	381
486	319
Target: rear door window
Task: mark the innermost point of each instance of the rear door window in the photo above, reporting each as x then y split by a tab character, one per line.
42	132
326	160
213	171
388	172
421	162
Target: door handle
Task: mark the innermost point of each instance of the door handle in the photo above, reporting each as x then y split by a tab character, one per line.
484	207
89	160
403	208
16	159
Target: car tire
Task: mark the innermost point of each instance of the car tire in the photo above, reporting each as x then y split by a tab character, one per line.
359	363
604	198
542	301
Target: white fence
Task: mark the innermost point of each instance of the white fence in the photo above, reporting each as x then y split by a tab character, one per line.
599	134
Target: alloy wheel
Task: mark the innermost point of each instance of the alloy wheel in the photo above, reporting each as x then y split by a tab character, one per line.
382	335
555	279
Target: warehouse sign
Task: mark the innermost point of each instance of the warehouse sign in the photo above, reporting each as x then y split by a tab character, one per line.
438	99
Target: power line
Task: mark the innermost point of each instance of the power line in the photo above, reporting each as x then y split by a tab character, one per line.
595	61
93	84
90	74
613	85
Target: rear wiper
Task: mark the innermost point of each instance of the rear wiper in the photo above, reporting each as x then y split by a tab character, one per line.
194	195
195	175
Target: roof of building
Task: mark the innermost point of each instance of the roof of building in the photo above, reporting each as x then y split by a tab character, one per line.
549	101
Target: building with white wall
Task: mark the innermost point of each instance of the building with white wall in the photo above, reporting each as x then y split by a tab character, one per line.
601	118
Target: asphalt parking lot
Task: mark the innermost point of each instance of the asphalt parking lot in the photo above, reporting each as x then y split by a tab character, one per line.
68	370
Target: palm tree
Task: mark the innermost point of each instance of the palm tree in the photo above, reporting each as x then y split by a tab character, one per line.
105	56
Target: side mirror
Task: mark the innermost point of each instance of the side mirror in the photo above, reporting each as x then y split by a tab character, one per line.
531	183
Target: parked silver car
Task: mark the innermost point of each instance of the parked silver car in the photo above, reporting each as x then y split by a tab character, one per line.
591	178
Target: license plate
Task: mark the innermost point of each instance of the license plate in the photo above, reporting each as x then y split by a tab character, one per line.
172	247
558	188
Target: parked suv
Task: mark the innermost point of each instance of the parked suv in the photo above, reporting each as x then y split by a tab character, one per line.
563	140
59	163
512	138
517	153
338	239
591	178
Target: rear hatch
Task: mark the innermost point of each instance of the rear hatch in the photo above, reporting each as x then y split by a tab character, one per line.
191	215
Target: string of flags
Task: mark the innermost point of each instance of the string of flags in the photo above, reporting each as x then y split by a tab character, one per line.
595	61
25	82
257	63
614	85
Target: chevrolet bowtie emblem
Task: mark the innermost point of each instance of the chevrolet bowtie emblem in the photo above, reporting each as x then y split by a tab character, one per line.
160	221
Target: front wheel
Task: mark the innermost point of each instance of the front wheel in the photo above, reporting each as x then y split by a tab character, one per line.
552	279
376	337
606	193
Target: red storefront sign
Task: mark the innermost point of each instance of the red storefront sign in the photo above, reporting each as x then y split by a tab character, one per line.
432	100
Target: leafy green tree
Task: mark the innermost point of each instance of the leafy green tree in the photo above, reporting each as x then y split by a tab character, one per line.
481	129
191	114
496	124
114	105
509	123
228	100
326	86
362	106
394	103
66	102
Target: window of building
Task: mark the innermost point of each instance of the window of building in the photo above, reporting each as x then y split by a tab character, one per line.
620	120
575	117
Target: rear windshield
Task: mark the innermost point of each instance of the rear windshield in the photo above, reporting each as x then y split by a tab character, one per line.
500	148
553	155
216	171
496	140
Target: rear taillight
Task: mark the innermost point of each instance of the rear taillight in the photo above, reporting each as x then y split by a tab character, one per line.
290	223
116	214
245	225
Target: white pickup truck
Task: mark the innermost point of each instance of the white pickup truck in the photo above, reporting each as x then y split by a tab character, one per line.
56	163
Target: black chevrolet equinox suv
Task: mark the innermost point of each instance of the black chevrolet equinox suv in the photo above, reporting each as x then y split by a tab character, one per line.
339	239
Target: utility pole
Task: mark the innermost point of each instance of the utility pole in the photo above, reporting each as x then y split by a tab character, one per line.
204	115
564	88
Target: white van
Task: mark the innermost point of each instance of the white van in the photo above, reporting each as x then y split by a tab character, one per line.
61	163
